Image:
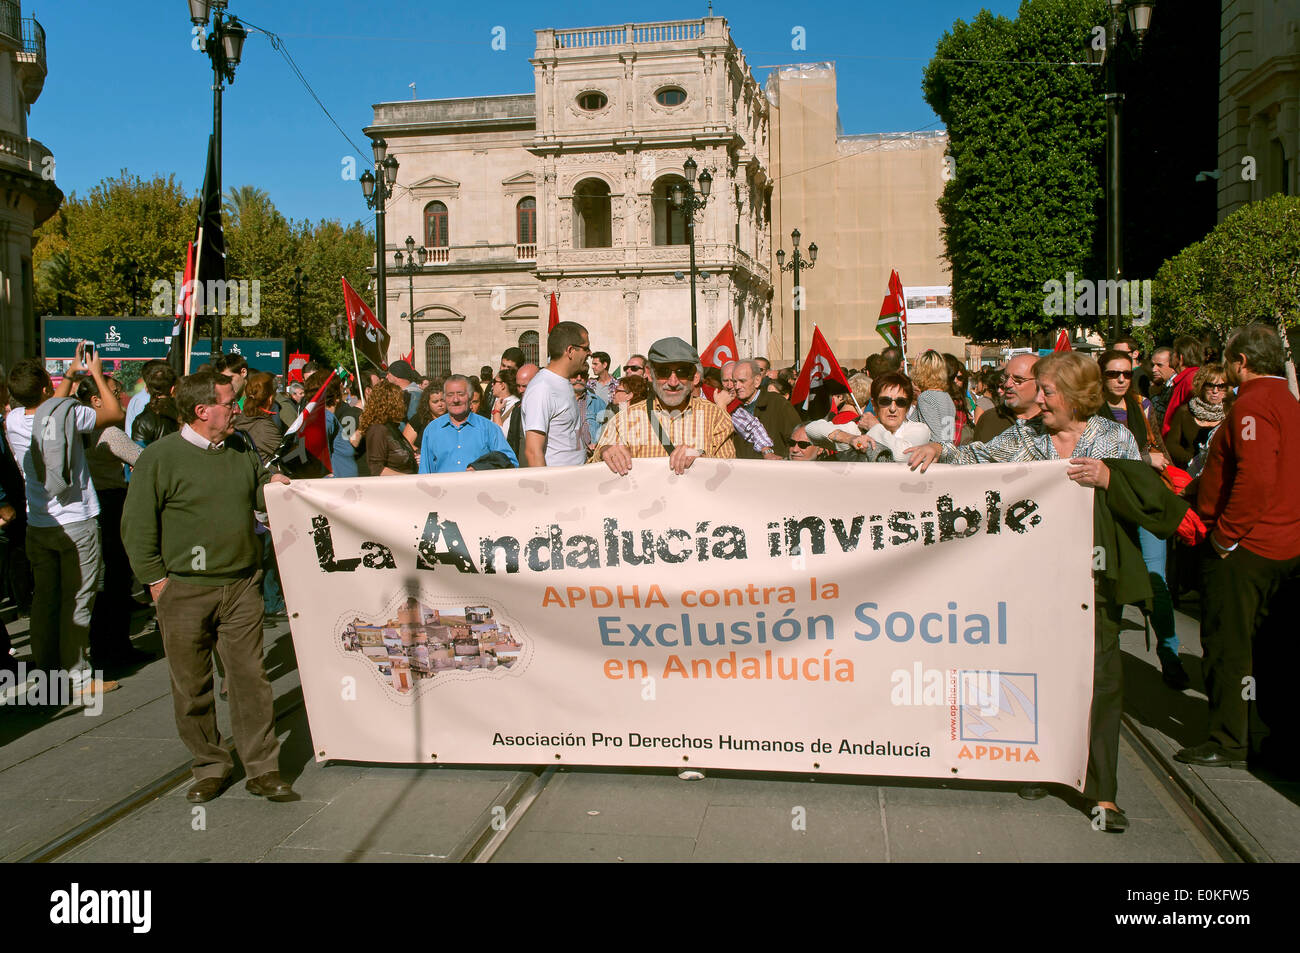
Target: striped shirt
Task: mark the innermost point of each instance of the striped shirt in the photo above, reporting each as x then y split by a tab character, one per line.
1101	439
701	425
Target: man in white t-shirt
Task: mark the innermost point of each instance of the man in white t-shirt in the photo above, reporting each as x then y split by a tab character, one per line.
551	418
62	532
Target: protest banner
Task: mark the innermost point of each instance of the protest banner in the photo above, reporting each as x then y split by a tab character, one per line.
829	617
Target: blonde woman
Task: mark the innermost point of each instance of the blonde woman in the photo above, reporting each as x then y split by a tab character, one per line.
934	406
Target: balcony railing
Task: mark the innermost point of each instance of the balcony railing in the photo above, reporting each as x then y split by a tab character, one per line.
439	256
526	252
11	17
34	40
674	31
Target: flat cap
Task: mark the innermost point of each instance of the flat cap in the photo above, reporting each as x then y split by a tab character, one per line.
673	351
403	370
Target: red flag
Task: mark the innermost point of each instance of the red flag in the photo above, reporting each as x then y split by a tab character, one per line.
296	363
184	314
1063	341
721	349
409	357
310	430
892	324
555	315
372	341
819	367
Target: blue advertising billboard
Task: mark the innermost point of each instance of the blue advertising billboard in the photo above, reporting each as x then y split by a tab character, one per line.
262	354
116	340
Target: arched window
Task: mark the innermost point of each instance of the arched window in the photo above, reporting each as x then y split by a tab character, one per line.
670	221
526	221
437	355
591	214
435	225
528	344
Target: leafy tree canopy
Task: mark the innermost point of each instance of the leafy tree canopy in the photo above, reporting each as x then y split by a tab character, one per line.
1026	131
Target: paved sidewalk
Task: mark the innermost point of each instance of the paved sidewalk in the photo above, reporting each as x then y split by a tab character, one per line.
1260	811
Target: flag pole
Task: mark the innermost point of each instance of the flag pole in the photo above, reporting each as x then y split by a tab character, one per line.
361	391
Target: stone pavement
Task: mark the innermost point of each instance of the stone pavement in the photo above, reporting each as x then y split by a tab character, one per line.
59	769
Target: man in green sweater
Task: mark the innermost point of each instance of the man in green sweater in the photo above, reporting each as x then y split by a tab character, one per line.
188	530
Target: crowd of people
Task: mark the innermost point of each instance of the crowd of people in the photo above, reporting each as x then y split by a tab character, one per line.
112	499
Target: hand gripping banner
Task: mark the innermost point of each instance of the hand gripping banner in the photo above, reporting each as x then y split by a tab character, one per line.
826	617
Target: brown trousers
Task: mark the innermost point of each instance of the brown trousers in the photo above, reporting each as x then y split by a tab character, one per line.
193	620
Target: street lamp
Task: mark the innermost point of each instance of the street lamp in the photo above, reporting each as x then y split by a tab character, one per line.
378	188
686	199
797	264
133	274
1139	23
224	46
296	288
411	268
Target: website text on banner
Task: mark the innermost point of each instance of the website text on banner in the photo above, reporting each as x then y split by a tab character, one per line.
857	620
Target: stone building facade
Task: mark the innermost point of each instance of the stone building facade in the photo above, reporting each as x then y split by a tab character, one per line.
26	179
1259	101
567	191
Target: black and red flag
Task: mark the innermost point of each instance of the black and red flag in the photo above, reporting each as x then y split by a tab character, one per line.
367	334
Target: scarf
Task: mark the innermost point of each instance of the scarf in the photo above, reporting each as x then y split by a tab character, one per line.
1203	411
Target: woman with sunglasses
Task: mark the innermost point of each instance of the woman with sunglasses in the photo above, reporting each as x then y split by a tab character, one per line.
892	395
630	390
1194	422
1122	404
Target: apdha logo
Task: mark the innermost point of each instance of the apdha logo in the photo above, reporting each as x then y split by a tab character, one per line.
1130	299
1005	707
98	907
58	688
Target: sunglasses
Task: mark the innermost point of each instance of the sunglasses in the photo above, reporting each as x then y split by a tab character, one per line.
1118	375
1216	386
899	402
801	444
634	367
684	372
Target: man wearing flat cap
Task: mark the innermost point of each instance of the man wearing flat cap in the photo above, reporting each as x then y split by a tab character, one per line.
671	423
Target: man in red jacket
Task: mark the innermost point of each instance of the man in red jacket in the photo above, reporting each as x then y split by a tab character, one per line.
1249	497
1186	357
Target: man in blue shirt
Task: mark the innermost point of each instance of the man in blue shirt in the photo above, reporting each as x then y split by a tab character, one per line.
456	439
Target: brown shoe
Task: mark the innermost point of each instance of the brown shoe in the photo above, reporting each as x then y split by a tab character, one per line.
271	786
206	790
92	689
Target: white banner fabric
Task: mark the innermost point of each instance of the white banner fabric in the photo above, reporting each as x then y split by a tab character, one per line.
810	617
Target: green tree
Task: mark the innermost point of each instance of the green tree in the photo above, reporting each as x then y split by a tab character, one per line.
1026	131
1247	269
82	252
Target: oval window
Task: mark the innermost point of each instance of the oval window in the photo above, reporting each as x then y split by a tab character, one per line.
592	101
671	96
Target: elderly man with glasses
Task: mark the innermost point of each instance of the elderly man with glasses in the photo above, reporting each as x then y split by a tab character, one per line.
671	423
1017	400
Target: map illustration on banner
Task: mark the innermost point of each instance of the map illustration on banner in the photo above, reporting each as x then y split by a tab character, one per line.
655	620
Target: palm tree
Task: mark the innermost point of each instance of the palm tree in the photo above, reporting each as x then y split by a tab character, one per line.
238	200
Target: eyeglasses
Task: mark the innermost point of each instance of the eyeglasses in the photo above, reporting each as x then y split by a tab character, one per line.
1118	375
1014	381
1216	386
684	372
801	444
582	347
634	367
900	402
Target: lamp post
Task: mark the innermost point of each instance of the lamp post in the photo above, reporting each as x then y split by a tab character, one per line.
377	188
415	259
797	264
689	202
224	46
1139	22
296	288
133	275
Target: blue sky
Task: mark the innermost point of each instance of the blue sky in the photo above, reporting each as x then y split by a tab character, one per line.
126	90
